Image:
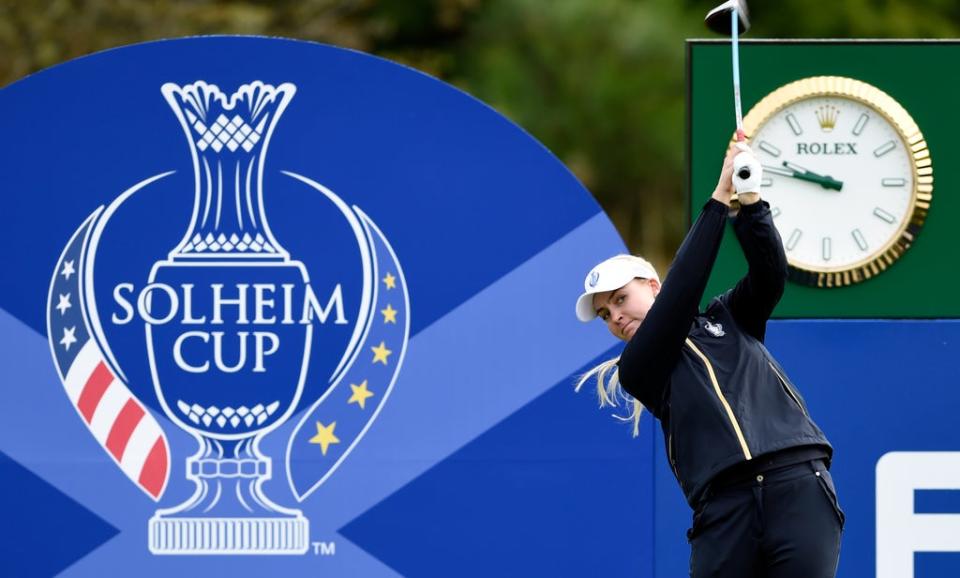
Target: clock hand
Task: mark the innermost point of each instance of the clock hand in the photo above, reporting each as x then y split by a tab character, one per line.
803	174
777	170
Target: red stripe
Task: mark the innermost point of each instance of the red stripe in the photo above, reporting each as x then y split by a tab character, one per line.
93	391
153	475
123	427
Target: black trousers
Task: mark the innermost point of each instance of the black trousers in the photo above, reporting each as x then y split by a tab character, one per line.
784	523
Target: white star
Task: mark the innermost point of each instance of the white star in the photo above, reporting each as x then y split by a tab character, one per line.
67	269
64	303
68	338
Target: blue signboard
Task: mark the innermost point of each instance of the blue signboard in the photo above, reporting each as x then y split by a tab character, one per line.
274	307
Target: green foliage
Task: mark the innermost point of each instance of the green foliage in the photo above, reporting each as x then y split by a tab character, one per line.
600	82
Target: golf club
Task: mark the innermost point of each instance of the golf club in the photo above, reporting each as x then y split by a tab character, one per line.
732	18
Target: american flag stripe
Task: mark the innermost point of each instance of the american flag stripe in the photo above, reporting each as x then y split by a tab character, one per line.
93	391
123	428
79	372
121	424
107	411
153	474
137	455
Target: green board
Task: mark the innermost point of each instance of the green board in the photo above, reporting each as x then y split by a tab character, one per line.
920	76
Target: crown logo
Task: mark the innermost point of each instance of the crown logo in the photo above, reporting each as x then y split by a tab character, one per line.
827	117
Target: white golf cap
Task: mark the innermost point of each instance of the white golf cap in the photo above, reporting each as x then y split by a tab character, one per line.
612	274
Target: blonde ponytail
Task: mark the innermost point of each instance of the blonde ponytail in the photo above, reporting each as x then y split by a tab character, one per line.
611	393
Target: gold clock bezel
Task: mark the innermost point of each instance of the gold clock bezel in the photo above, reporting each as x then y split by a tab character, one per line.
909	133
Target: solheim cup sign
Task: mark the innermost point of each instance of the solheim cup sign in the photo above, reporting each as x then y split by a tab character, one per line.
272	307
229	320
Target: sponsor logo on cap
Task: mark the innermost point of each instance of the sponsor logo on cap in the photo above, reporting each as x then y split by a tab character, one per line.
594	277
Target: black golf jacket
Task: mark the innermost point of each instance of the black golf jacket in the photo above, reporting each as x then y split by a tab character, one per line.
720	396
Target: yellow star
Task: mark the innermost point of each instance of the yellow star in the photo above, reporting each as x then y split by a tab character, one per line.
325	436
390	281
380	353
360	394
389	314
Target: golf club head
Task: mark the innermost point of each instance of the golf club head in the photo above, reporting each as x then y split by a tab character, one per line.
718	19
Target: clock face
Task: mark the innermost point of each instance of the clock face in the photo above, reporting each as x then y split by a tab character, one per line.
842	181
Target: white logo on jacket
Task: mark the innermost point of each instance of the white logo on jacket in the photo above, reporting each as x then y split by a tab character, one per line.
715	329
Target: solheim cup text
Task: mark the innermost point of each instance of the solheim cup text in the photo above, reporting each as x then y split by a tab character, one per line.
255	304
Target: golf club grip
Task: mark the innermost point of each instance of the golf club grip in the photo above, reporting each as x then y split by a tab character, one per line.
747	171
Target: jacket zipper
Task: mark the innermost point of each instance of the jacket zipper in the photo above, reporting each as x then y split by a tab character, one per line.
673	463
723	401
789	390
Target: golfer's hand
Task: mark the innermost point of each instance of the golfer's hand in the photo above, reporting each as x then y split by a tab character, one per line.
725	190
746	187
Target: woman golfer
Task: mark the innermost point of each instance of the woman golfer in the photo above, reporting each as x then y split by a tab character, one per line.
740	440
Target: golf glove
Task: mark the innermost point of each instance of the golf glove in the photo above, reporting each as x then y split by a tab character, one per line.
747	172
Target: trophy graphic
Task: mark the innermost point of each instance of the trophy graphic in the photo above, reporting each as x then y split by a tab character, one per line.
229	353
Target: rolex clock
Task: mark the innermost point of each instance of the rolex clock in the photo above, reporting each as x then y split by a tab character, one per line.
847	174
